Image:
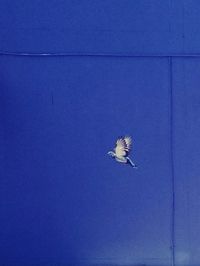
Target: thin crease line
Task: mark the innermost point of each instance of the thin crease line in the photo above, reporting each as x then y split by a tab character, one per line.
29	54
172	164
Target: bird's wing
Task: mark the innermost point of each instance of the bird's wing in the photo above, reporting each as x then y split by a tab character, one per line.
123	146
128	141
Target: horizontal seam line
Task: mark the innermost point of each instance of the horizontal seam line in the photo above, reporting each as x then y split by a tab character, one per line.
95	54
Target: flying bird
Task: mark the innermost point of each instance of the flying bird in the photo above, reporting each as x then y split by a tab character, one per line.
122	150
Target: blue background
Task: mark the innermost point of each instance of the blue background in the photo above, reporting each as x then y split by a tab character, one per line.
121	67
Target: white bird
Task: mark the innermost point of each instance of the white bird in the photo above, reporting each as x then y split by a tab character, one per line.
122	150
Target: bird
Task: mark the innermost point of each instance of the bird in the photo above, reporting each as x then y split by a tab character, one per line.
122	150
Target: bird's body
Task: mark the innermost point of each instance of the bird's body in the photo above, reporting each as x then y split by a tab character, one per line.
122	150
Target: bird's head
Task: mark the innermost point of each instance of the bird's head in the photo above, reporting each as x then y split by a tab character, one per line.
111	153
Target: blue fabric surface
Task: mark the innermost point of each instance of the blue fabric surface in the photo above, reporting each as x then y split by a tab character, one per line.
63	201
108	27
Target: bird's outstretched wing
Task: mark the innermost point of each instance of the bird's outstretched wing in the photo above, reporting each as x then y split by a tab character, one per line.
123	146
128	141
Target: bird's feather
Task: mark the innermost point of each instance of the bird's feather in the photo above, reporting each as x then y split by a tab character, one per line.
123	146
128	141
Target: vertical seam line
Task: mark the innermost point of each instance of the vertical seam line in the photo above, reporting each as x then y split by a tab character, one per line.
172	163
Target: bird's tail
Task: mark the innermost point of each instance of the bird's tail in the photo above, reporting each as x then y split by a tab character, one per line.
131	163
